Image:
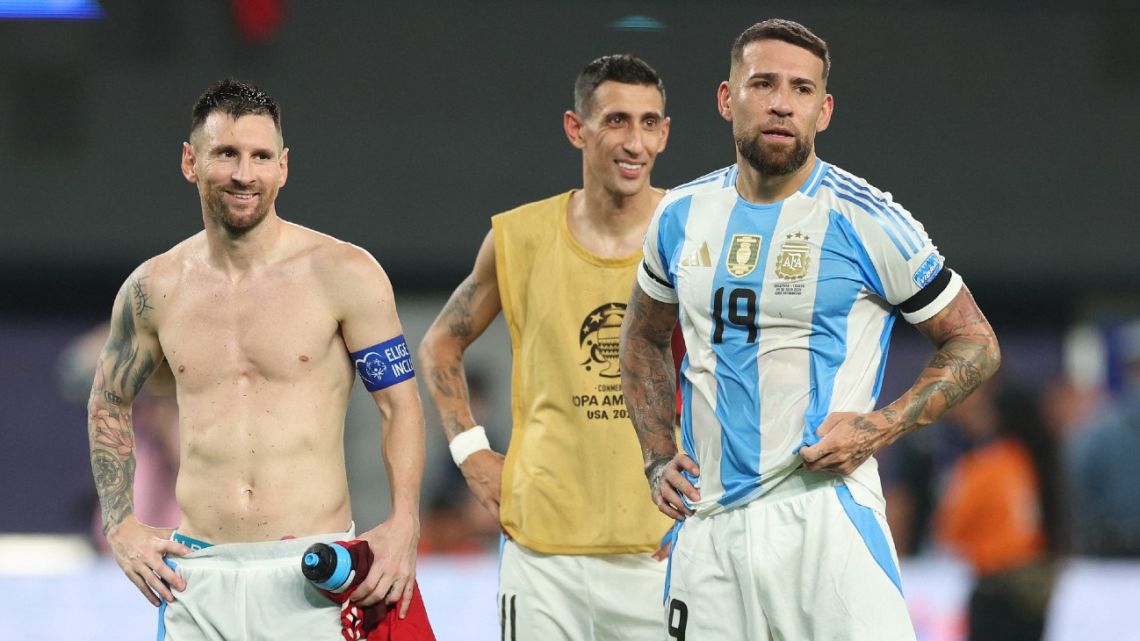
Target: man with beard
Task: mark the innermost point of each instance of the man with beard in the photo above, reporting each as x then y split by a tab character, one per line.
261	321
579	559
786	273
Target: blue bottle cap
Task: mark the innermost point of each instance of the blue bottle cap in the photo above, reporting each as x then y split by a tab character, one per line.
341	572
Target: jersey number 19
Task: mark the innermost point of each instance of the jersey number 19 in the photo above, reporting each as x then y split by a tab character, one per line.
745	320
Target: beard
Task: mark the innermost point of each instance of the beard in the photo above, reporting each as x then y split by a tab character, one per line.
773	162
236	225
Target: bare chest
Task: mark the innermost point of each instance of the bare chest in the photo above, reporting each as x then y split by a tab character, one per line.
275	327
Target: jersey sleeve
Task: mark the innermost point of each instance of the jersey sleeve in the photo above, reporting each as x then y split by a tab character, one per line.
912	272
653	274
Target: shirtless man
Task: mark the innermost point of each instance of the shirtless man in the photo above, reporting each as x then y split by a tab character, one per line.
261	321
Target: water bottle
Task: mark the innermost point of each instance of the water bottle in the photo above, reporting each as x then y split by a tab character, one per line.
328	566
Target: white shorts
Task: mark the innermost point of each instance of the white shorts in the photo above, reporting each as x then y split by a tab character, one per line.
574	597
805	561
249	592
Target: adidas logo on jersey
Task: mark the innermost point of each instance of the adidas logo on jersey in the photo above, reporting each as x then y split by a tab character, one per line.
699	257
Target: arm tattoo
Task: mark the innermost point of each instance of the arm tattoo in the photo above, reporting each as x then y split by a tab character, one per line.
123	368
113	464
129	369
457	311
449	382
448	386
966	374
446	378
890	415
647	377
141	298
967	356
863	425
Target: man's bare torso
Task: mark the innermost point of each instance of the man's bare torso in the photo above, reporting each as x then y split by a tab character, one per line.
263	380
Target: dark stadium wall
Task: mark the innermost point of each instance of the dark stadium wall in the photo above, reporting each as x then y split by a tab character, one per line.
1005	131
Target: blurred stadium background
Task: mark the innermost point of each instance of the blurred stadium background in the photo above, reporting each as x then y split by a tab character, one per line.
1005	126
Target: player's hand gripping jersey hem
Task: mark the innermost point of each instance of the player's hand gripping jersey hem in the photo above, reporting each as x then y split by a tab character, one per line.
787	310
572	479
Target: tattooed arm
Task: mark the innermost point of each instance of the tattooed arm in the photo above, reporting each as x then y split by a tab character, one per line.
472	308
967	355
129	357
647	381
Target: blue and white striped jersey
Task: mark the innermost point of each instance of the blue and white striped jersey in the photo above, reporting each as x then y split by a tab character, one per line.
787	310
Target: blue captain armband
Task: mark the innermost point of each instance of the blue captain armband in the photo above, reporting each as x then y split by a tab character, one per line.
384	364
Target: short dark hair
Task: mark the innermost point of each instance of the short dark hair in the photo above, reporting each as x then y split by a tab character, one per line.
625	68
790	32
234	98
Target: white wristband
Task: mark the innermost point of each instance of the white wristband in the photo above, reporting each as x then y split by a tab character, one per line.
467	443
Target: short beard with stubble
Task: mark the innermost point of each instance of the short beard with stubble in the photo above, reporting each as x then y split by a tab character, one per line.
234	226
773	163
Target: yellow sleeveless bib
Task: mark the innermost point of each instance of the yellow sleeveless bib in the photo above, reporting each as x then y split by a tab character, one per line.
573	481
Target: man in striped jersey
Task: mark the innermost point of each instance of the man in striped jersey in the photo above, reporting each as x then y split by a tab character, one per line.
787	274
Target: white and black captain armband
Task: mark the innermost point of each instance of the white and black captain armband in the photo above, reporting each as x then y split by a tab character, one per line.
655	277
932	298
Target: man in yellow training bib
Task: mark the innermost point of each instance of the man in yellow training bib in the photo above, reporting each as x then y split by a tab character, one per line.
578	560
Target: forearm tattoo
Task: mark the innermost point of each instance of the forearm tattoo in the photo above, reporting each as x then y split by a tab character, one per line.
647	377
968	355
448	387
446	378
113	463
119	375
457	311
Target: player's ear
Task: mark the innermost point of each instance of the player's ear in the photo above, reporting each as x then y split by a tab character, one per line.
284	166
187	164
664	133
824	119
572	125
722	102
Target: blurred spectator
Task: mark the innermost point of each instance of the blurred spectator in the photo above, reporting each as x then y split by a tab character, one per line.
1002	512
911	471
916	468
1104	456
1066	406
456	523
155	421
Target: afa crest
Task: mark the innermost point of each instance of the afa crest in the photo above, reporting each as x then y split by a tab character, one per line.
794	259
743	254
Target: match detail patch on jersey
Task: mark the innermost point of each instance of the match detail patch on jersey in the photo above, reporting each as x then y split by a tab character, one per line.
384	364
926	271
743	254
